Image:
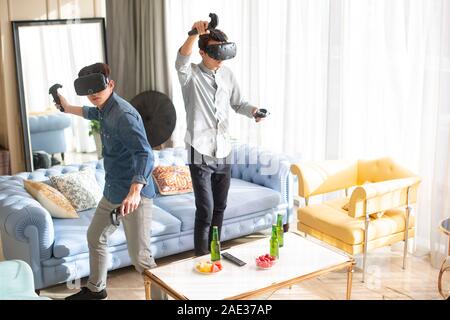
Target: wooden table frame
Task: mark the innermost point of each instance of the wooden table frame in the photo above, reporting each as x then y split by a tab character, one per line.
151	279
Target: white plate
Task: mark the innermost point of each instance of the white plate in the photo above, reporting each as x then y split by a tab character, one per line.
206	273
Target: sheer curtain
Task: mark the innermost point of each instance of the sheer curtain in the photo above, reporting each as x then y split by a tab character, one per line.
136	47
272	66
342	79
395	99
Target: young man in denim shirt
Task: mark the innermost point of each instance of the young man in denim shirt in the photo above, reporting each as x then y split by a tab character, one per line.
210	91
128	162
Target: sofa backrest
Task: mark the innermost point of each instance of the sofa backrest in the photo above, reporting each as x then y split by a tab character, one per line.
249	163
382	169
49	122
45	174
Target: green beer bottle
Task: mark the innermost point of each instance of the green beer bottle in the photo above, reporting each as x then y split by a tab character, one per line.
280	230
274	242
215	245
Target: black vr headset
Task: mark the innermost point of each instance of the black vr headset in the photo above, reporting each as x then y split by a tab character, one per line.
90	84
222	51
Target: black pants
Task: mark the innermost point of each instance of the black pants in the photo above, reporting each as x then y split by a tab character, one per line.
210	181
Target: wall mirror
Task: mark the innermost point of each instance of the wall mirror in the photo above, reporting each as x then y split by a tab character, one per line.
49	52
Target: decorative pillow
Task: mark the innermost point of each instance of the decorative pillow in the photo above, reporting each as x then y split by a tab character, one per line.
375	215
51	199
80	188
172	179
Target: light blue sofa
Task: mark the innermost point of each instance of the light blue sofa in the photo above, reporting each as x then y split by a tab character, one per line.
47	132
57	251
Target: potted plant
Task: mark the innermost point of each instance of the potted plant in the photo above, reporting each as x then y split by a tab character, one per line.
94	130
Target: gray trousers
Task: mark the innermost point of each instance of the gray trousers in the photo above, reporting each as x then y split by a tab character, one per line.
137	227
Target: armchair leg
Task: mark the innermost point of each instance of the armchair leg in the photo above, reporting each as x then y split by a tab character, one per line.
366	243
364	266
405	248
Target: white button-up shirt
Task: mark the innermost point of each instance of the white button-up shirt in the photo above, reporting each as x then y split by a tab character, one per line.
208	96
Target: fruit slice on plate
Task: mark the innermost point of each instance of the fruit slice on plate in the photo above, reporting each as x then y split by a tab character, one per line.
208	267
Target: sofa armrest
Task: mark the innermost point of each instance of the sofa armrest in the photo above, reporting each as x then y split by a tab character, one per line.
266	169
26	227
377	197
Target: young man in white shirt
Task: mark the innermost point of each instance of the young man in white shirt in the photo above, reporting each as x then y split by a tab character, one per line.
209	90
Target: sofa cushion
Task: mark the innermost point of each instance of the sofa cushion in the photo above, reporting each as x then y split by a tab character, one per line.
330	219
70	235
243	198
80	188
51	199
172	180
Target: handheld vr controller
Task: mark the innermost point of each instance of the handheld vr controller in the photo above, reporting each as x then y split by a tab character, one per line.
54	92
220	51
212	24
115	215
261	113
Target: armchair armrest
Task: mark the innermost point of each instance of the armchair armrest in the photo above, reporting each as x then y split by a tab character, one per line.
26	227
381	196
321	177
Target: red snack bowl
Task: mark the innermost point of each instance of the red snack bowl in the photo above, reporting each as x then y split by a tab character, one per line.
265	261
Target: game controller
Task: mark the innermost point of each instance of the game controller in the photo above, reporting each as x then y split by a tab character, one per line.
212	24
261	113
54	92
115	215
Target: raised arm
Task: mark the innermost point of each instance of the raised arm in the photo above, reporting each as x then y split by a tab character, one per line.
201	26
182	64
89	113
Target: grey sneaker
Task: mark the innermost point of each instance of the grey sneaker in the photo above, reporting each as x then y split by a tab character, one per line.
86	294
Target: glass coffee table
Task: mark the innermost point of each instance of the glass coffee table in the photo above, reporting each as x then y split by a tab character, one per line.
300	259
445	228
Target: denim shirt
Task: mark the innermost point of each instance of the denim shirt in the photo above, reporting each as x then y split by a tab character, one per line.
127	154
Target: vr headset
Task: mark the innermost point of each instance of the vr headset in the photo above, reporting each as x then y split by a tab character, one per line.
90	84
221	51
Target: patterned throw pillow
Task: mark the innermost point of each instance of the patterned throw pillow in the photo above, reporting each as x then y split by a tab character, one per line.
80	188
51	199
172	179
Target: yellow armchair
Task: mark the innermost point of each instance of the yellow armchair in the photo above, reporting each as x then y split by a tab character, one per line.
376	213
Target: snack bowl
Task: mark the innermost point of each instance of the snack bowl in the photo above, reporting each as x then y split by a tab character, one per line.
265	261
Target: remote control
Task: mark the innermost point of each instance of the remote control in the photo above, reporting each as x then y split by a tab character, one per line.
233	259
